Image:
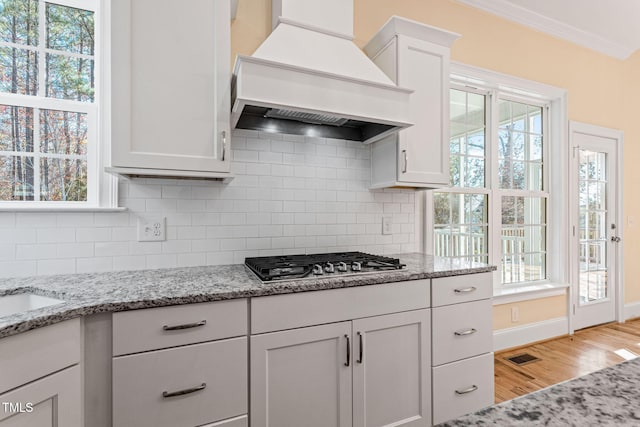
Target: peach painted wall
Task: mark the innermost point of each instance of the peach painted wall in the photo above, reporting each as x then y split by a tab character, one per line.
602	90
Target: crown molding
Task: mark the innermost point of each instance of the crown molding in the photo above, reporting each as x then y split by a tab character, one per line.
515	13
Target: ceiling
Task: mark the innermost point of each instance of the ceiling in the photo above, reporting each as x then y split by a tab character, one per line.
609	27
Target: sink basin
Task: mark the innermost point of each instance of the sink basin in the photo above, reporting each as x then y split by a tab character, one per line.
12	304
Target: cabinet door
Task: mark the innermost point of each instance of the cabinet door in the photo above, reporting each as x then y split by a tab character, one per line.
391	371
171	84
53	401
423	149
302	377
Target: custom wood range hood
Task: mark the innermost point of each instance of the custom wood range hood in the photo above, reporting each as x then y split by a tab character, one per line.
309	78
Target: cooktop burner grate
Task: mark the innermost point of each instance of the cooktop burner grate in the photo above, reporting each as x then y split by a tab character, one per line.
300	266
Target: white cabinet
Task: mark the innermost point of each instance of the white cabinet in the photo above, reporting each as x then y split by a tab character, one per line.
182	365
462	343
40	380
415	56
170	91
361	372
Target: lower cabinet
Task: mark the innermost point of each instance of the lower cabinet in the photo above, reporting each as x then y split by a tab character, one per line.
184	386
365	372
53	401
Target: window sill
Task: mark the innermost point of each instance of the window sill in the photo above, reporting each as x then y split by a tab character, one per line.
530	292
59	209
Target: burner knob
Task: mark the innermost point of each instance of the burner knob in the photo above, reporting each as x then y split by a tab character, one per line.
342	266
329	268
356	266
318	270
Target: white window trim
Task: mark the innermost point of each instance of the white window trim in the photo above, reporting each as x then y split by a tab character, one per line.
105	191
557	161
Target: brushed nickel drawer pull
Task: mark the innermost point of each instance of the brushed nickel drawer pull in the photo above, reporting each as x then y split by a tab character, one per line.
467	332
467	390
361	353
166	394
185	326
465	290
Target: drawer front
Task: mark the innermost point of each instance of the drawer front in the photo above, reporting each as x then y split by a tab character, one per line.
280	312
139	382
462	387
31	355
242	421
155	328
461	330
457	289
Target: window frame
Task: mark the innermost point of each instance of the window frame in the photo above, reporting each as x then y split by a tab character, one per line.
102	187
555	168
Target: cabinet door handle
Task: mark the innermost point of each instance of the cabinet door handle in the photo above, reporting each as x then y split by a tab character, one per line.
166	394
467	390
467	332
404	154
185	326
465	290
348	362
224	144
361	350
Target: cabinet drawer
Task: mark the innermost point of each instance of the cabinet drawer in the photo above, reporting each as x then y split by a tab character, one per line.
54	400
279	312
143	330
462	387
31	355
461	330
456	289
242	421
140	380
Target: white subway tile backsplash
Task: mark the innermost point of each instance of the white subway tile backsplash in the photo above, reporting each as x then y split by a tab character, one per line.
291	194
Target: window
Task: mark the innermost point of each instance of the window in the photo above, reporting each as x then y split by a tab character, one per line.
497	208
49	152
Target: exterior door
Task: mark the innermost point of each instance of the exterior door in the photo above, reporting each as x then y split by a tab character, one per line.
392	370
596	243
302	377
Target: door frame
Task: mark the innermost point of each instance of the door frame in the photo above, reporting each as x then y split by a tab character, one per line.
617	135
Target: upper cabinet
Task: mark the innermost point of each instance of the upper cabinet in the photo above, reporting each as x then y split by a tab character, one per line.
415	56
170	90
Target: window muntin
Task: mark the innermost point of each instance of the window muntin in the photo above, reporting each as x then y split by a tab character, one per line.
47	102
514	200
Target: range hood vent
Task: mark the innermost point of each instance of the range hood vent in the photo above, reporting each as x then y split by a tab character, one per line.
309	78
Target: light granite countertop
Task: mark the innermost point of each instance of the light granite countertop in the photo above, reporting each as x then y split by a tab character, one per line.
85	294
608	397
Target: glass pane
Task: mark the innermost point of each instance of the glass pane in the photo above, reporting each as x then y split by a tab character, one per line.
535	119
63	132
504	144
441	213
534	267
474	173
593	226
16	128
458	107
70	29
475	144
18	71
535	147
16	178
477	208
454	170
535	238
458	132
70	78
475	110
19	21
467	143
518	116
517	145
519	181
504	113
63	179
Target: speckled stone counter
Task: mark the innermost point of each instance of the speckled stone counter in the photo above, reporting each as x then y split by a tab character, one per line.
609	397
86	294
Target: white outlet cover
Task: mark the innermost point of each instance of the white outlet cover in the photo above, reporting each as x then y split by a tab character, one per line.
152	229
387	225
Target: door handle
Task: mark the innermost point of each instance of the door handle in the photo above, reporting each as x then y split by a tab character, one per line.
348	362
615	239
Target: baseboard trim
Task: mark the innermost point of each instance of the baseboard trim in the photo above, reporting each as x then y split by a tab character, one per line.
632	310
529	333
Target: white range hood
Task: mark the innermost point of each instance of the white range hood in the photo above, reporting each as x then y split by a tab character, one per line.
309	78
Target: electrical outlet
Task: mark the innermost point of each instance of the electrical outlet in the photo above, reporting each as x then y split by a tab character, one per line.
152	229
515	314
631	221
386	225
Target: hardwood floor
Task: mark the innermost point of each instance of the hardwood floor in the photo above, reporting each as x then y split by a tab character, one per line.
565	358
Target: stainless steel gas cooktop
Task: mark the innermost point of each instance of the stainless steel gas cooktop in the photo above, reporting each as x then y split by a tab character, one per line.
316	265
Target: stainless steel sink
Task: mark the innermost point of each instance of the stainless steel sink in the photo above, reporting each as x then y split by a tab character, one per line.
12	304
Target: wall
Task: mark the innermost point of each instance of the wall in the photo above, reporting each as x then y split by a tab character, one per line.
290	195
602	90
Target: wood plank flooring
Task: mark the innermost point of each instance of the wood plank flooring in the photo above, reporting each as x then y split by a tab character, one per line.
564	358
